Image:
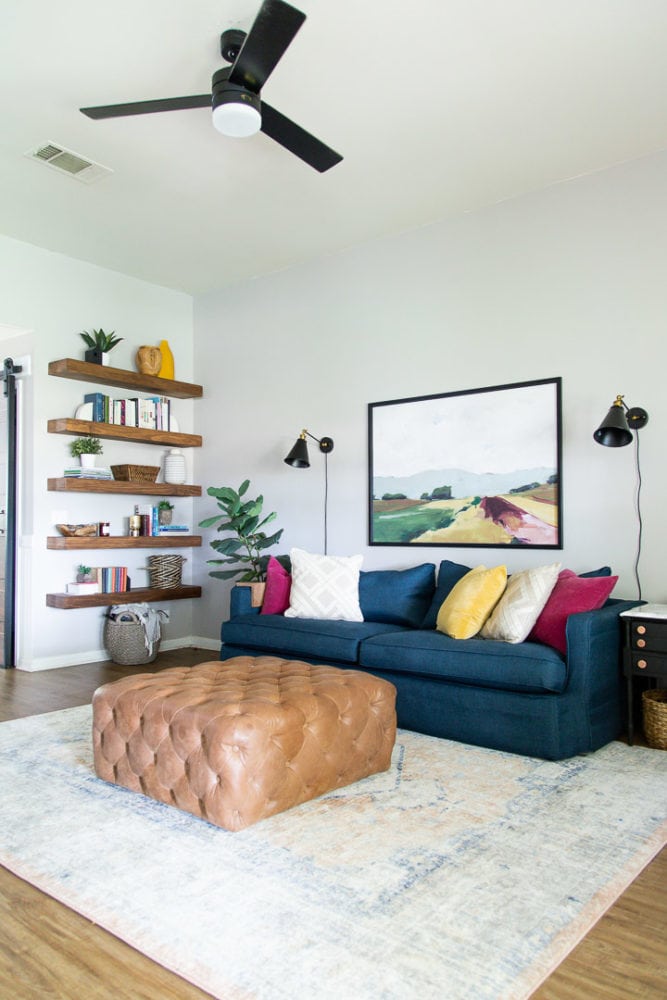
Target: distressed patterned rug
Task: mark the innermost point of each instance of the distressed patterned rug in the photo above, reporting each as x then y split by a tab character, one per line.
460	873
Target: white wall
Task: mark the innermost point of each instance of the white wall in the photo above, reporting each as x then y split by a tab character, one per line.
567	282
55	297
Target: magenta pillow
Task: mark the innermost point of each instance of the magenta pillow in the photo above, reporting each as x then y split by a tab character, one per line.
278	586
571	594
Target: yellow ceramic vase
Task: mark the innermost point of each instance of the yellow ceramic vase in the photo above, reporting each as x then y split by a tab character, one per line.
167	368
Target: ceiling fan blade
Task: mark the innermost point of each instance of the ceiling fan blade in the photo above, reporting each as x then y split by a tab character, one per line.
273	29
297	140
148	107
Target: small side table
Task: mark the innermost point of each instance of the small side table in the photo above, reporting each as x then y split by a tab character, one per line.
644	648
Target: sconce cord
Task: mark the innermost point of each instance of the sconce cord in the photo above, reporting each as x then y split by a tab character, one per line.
326	497
639	515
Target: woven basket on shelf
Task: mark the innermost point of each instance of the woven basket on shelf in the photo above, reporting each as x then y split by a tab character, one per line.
165	571
135	473
125	642
654	704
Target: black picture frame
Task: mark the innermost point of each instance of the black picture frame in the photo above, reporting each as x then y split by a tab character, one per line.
477	468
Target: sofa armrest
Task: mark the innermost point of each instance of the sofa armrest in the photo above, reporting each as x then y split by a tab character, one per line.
240	602
594	646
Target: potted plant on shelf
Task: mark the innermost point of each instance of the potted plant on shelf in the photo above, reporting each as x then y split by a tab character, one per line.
99	344
83	574
247	542
85	449
164	510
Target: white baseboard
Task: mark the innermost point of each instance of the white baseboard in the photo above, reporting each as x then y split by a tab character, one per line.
99	655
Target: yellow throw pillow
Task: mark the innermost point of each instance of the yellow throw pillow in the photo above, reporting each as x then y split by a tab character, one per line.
471	601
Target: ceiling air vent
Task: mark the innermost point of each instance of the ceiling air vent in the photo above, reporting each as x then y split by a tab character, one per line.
68	162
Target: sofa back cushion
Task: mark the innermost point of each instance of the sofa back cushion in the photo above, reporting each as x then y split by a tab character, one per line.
449	573
397	597
471	601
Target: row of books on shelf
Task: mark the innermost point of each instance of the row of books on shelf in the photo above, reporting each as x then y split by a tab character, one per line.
94	473
148	412
104	580
150	527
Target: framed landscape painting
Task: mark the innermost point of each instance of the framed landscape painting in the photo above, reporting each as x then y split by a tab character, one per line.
480	467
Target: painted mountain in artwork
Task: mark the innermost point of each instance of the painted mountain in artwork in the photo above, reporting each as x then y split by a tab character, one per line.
462	482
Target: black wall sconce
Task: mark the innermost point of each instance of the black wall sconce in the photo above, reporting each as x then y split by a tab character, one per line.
615	431
298	459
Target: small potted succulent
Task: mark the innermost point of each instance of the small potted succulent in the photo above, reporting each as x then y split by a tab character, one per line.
85	449
99	344
164	512
83	574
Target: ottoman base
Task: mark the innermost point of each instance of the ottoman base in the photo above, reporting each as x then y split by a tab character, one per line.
236	741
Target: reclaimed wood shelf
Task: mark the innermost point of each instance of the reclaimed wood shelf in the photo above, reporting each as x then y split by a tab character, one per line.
120	432
84	371
181	541
135	596
72	484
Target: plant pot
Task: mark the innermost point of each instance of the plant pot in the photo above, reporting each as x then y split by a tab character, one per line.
87	461
164	516
95	357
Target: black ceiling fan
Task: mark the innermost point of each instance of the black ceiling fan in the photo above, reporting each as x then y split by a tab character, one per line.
238	109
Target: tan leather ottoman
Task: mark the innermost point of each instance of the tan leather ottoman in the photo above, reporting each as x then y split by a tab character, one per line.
239	740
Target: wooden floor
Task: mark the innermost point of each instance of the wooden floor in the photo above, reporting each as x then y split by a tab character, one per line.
48	951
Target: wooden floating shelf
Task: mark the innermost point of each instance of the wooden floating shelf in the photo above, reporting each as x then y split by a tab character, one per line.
119	432
124	542
84	371
134	596
72	485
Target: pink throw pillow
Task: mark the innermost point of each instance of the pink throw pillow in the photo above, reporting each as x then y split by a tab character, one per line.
278	586
571	594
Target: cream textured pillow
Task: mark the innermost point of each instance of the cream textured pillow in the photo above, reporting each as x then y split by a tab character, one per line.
324	587
471	601
519	608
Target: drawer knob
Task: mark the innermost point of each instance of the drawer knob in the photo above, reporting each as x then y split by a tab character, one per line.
641	664
641	629
641	643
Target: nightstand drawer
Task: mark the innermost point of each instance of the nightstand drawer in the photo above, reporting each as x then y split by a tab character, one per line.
651	664
649	636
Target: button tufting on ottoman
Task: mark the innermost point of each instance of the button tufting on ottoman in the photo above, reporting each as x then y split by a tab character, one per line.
239	740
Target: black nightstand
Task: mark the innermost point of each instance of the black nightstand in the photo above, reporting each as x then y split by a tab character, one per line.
644	649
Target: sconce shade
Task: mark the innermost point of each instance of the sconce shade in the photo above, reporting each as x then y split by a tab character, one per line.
298	456
614	432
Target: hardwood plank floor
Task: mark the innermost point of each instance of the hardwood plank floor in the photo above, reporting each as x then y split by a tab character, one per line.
48	951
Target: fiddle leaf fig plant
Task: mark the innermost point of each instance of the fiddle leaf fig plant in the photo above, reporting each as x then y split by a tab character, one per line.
246	541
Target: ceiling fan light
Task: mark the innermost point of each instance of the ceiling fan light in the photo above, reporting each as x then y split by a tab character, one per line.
236	119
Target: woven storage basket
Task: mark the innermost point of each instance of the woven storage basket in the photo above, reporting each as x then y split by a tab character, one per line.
135	473
165	571
654	704
126	644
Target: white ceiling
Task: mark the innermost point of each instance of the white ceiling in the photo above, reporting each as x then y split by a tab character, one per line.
438	107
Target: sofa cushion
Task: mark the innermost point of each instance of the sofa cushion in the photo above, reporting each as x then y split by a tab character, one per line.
315	638
398	597
471	601
278	585
324	587
449	573
528	666
517	610
572	594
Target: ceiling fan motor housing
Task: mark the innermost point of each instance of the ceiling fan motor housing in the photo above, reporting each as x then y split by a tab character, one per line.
225	92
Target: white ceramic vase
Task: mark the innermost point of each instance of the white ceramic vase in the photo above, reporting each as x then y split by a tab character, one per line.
87	461
174	467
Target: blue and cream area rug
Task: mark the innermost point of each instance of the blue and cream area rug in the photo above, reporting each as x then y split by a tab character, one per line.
460	873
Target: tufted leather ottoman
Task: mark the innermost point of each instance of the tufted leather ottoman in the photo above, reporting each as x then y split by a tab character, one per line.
237	741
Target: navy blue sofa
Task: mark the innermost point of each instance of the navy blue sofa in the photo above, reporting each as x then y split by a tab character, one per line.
524	698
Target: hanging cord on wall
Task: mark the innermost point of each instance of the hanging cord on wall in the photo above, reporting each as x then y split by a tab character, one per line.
326	497
639	516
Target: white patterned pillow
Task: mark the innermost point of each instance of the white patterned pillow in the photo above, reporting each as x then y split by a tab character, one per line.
519	608
324	587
